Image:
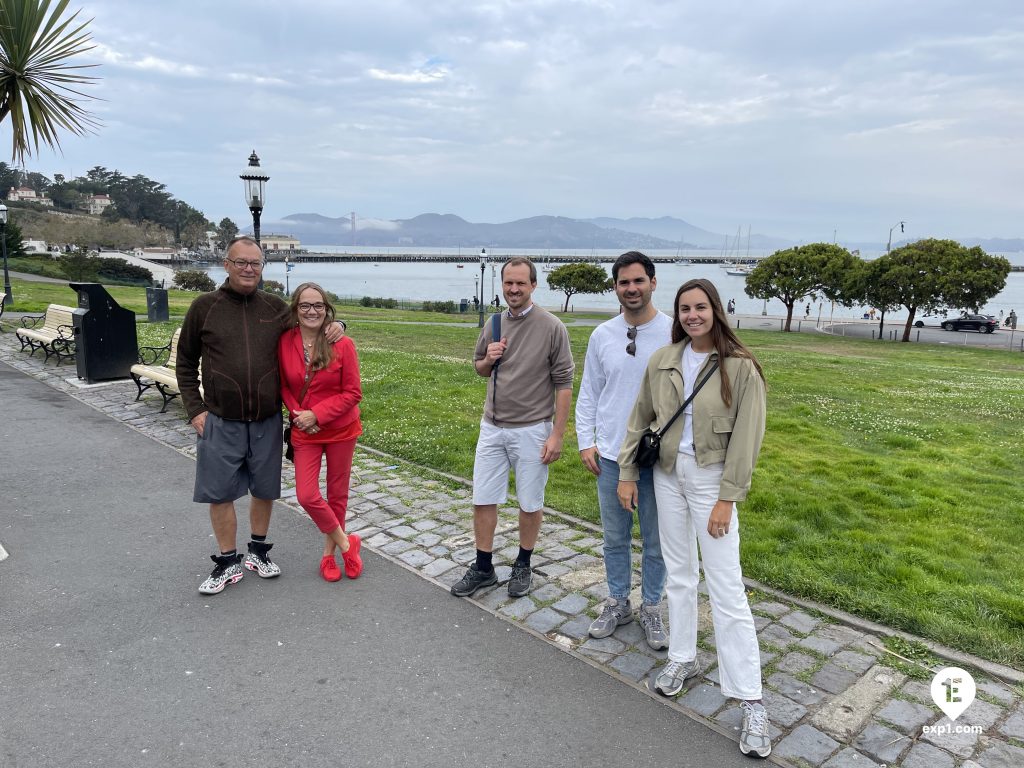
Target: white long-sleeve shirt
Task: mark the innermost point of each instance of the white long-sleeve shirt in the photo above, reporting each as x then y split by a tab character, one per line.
611	380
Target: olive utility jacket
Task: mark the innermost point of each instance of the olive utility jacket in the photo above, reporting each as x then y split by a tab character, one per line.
730	434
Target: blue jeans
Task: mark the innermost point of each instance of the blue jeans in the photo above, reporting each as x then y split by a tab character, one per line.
618	535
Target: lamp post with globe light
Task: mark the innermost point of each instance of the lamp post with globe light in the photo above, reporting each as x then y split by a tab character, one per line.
255	181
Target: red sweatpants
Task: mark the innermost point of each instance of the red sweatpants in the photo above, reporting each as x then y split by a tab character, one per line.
330	513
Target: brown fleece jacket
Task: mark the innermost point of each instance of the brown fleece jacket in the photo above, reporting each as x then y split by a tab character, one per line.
235	335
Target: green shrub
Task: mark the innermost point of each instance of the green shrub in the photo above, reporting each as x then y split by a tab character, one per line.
194	280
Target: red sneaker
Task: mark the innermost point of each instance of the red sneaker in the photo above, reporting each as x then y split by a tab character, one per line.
353	562
329	569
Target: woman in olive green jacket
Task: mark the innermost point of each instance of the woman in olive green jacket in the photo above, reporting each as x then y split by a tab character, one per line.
705	466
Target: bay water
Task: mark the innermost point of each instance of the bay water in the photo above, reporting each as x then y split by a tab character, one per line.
418	281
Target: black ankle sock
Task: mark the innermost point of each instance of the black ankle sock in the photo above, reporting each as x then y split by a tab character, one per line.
484	560
260	539
232	553
524	556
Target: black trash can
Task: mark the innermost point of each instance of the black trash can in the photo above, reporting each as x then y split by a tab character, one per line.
156	303
463	305
105	339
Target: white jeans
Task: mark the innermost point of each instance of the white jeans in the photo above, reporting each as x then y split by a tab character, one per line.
685	500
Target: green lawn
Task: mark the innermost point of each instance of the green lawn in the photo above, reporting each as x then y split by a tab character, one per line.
888	485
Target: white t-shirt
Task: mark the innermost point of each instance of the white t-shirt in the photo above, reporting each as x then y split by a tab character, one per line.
611	380
692	363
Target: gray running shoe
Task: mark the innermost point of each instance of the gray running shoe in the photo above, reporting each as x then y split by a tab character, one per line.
520	581
473	580
258	559
673	675
754	736
614	614
649	617
226	571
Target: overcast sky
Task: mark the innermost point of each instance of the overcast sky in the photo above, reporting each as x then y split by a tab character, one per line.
798	118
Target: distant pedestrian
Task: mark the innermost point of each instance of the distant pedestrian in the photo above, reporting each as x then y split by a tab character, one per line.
1012	319
807	312
497	301
732	307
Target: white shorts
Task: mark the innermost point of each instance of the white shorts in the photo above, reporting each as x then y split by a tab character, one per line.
518	448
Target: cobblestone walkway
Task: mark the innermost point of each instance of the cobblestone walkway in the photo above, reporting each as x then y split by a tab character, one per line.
836	697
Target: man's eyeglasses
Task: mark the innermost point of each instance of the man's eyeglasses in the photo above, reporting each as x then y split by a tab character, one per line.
631	347
307	307
243	263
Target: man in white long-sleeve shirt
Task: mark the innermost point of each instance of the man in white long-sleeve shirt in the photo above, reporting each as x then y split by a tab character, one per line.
617	356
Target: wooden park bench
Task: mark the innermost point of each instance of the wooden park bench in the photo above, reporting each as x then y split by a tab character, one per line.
156	369
52	332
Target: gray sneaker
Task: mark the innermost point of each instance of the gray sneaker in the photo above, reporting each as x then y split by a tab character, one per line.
520	581
614	614
673	675
473	580
649	617
754	736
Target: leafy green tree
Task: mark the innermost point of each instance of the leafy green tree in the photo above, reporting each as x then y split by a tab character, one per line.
10	178
794	274
14	239
79	265
194	280
878	287
39	88
226	230
572	279
933	275
274	287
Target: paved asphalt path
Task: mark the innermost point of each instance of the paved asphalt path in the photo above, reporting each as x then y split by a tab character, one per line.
110	657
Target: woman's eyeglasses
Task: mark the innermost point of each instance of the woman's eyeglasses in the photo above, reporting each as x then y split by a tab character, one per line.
631	335
307	307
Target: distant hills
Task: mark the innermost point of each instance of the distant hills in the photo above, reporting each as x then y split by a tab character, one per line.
434	230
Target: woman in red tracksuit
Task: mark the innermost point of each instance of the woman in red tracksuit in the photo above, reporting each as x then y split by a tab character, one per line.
320	387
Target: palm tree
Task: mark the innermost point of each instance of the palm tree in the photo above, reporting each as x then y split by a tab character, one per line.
38	87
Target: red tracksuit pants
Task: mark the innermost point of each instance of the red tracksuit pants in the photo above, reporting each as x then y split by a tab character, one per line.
327	513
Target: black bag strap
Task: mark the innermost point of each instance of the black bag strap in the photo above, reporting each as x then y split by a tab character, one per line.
495	336
696	389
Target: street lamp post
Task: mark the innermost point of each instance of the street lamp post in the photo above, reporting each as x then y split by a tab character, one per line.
899	224
255	181
483	264
8	296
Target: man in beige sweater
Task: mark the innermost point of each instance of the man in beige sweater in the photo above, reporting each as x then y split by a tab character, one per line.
529	392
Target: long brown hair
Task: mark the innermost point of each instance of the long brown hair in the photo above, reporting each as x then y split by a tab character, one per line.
323	352
725	340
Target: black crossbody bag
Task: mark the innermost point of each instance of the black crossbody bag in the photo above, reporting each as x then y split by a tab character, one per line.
649	449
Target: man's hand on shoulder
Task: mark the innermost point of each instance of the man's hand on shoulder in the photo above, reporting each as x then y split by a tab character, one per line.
589	458
335	331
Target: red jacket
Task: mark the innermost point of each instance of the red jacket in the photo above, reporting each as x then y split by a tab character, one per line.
334	392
